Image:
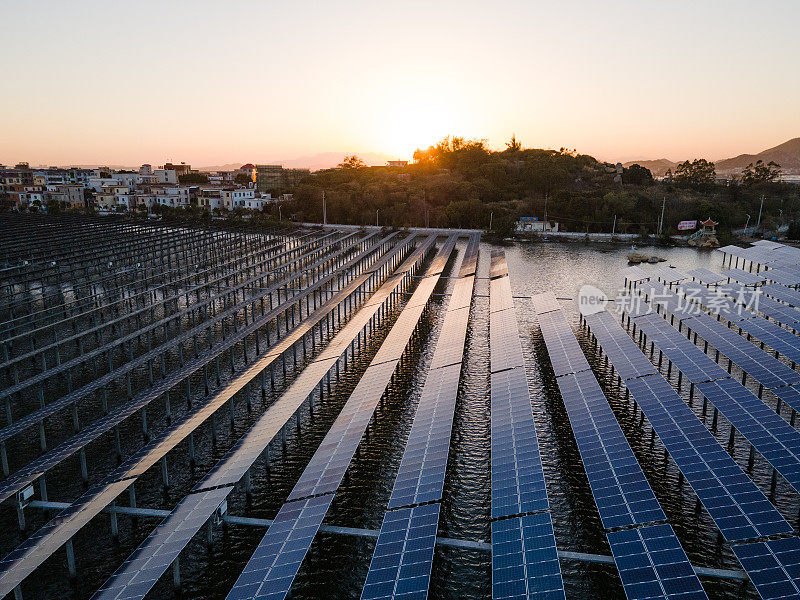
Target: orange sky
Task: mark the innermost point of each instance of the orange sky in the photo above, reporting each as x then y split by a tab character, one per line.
211	82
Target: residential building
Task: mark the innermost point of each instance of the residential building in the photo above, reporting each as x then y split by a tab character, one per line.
237	198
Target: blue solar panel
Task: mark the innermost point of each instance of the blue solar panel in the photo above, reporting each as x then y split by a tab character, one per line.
718	304
744	277
738	507
403	557
422	470
505	349
525	560
790	395
517	478
776	440
690	360
784	294
782	276
271	570
776	337
566	355
706	276
652	564
765	369
757	300
773	567
620	489
616	345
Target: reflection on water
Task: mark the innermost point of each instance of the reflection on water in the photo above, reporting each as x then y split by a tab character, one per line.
336	565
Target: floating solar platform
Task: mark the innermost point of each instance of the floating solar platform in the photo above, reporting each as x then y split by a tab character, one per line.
756	300
616	344
566	355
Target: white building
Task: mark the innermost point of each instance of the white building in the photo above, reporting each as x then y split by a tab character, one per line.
238	198
166	176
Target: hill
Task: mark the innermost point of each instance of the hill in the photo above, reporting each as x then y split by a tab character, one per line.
657	167
787	155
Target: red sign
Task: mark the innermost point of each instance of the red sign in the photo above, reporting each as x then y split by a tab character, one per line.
683	225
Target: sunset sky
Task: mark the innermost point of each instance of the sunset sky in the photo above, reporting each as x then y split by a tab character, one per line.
219	82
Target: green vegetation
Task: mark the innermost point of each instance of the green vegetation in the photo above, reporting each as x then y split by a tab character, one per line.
461	183
190	178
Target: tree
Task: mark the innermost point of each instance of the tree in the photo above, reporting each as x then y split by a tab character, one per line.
513	145
351	162
637	175
53	207
696	172
243	179
761	173
192	178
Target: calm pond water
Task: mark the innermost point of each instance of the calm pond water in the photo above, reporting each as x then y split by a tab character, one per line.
336	565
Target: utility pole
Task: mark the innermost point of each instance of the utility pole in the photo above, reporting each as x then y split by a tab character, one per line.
324	212
491	214
376	217
758	225
614	227
545	208
661	222
746	224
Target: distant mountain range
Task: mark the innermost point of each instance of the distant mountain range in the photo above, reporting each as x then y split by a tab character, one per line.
315	162
787	155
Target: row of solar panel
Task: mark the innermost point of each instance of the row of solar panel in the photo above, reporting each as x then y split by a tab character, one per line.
232	467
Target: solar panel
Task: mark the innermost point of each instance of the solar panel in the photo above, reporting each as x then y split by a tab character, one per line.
756	300
669	275
737	506
665	299
546	302
783	277
403	557
525	560
634	306
500	295
505	349
517	478
715	302
652	564
776	440
422	470
566	355
498	267
271	570
634	274
776	337
695	364
745	277
765	369
450	349
706	276
469	263
616	345
140	571
773	567
784	294
619	487
790	395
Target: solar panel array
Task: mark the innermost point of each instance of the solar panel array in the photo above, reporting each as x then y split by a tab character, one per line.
784	294
401	562
668	275
773	567
273	566
652	564
524	556
737	506
744	277
326	469
616	345
776	440
621	492
706	276
240	458
634	274
715	302
757	300
403	557
783	277
525	560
